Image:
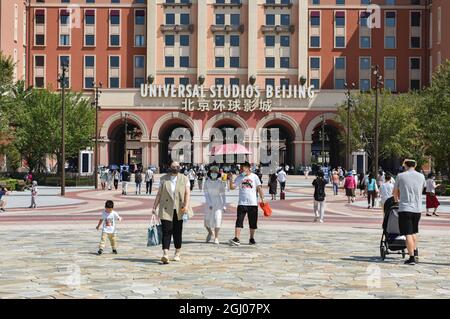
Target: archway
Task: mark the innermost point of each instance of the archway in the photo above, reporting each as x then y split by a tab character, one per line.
133	154
289	137
176	143
327	148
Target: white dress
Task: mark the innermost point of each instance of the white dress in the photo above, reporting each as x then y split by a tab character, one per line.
215	198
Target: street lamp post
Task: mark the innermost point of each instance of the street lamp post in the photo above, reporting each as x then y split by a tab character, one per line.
378	84
125	160
349	105
323	139
62	80
95	104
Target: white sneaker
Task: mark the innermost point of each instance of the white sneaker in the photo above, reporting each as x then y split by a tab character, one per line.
216	241
321	221
176	258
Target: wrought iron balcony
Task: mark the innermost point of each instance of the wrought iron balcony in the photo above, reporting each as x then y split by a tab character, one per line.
278	29
228	28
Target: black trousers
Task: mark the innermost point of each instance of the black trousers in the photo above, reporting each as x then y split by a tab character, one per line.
116	184
371	197
148	187
172	228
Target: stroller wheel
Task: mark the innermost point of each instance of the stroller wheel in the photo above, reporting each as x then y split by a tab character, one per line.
382	253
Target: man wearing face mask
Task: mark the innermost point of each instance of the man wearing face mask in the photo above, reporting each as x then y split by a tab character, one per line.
173	199
215	204
249	186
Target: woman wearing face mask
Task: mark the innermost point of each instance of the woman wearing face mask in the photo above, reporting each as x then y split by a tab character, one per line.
173	199
215	204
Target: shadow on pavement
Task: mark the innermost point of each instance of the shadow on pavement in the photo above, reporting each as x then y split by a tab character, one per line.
140	260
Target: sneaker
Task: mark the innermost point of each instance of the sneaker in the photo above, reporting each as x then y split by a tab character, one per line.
165	259
429	215
114	251
176	258
411	261
252	241
321	221
208	238
434	214
100	251
216	241
235	242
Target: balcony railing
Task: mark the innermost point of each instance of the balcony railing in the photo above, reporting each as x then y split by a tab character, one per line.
278	5
177	28
228	28
228	5
177	5
278	29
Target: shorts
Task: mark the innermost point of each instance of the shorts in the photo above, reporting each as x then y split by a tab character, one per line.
252	212
409	223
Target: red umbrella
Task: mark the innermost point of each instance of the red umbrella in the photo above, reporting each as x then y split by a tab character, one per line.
230	149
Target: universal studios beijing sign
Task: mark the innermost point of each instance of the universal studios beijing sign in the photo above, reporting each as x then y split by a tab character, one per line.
230	98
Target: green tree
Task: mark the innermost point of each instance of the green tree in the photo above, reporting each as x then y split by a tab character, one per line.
38	126
6	70
435	117
399	128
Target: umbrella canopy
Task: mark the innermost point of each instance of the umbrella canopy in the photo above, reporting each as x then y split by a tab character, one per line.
230	149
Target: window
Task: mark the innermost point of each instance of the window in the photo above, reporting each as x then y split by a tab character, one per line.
184	81
169	40
314	63
184	19
184	40
220	40
139	62
284	83
389	42
234	40
270	62
235	19
169	61
315	42
170	18
340	42
364	42
220	19
219	81
270	82
315	83
364	63
284	62
340	63
389	85
220	62
364	85
285	41
285	19
234	62
139	40
270	19
184	61
389	63
270	40
234	81
169	81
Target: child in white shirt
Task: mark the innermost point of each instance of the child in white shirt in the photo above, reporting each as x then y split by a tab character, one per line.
109	217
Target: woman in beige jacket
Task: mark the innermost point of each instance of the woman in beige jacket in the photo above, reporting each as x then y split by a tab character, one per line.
173	199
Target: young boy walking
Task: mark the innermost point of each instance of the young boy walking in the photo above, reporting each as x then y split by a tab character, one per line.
109	217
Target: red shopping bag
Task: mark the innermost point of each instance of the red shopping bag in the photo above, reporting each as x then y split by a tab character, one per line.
267	210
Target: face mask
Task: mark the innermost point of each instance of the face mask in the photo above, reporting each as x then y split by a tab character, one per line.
214	175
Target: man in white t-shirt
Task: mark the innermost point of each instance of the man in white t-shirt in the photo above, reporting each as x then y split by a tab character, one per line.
249	185
281	177
149	181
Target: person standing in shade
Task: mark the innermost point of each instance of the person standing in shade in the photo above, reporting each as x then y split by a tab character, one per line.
335	181
282	177
286	168
200	178
138	181
319	196
192	177
350	186
386	189
371	191
104	178
125	181
408	193
148	181
361	184
116	178
173	200
249	186
432	201
273	184
307	170
215	204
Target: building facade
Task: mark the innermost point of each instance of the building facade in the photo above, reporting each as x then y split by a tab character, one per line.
125	44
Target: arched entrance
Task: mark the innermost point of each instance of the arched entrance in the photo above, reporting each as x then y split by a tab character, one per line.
326	145
134	151
176	143
280	136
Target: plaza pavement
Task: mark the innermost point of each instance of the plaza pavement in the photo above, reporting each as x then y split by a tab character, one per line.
49	252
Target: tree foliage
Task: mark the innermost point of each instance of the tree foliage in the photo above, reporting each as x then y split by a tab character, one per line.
435	117
400	134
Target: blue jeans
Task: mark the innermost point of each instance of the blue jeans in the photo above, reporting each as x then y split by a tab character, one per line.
335	188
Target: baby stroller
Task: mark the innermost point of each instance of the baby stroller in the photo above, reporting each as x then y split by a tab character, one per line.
391	241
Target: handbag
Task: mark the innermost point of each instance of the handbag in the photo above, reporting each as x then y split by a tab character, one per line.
267	210
154	233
